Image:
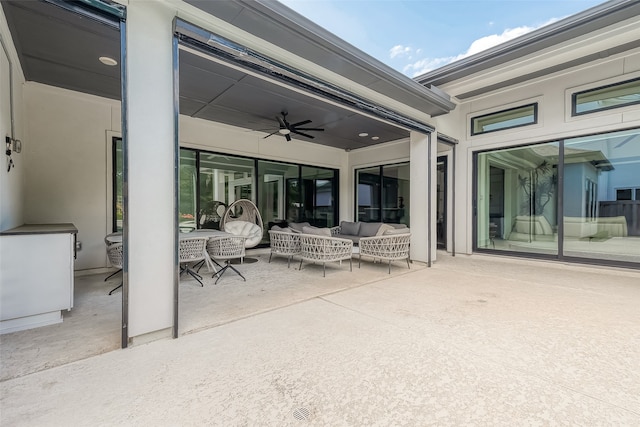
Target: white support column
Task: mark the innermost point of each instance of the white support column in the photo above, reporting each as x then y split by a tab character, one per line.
150	120
433	141
346	191
419	146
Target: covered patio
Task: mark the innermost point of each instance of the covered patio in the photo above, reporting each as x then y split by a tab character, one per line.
92	327
216	80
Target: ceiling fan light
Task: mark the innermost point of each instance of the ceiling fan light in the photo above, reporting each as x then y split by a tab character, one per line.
284	131
108	61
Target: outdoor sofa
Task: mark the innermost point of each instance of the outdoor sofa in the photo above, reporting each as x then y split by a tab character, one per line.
382	242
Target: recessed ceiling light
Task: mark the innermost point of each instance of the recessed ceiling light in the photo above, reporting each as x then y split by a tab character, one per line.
375	138
108	61
363	134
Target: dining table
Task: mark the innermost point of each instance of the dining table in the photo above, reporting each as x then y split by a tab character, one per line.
116	237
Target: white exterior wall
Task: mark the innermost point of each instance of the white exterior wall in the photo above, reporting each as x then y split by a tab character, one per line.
553	95
66	173
12	185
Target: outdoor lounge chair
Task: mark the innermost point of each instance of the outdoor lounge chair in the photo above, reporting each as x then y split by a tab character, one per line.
284	243
389	248
316	248
244	210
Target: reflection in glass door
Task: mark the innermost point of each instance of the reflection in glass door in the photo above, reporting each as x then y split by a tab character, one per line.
272	200
441	203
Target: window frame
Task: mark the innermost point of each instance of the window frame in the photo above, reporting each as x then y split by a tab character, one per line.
534	106
574	98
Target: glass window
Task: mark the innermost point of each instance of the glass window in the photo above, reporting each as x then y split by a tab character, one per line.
368	194
383	194
606	97
118	200
513	117
318	196
601	217
624	194
223	180
395	194
276	203
517	199
187	196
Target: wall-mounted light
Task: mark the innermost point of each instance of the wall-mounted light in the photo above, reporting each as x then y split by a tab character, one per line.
13	146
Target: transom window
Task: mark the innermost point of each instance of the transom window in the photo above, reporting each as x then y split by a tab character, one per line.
606	97
505	119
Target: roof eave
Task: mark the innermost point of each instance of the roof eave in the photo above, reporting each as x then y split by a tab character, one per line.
599	16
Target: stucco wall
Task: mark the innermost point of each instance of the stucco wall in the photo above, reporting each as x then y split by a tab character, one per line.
553	95
11	183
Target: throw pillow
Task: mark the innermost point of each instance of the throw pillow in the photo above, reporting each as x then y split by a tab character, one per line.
405	230
316	231
296	227
384	228
368	229
350	228
398	225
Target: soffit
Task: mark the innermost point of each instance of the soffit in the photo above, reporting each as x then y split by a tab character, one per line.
60	48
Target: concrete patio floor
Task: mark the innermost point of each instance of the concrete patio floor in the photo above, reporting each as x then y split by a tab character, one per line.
472	341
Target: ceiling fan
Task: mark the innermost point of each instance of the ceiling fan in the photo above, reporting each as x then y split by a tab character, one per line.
287	128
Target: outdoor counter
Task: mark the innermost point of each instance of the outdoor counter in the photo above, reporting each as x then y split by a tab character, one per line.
36	275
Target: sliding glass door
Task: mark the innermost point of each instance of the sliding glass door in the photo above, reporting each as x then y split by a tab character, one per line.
602	196
575	198
382	194
318	196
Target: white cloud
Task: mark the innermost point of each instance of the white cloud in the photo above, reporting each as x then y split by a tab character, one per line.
427	64
399	51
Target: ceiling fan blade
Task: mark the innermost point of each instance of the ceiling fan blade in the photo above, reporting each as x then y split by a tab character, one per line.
300	133
272	133
314	129
288	137
283	123
304	122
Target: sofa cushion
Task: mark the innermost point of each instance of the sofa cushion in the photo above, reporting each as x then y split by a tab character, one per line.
278	228
296	227
368	229
316	231
405	230
354	239
350	228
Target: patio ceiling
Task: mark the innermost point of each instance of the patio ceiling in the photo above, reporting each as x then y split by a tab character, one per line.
61	48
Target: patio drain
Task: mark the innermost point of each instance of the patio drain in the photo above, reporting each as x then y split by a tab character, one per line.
302	414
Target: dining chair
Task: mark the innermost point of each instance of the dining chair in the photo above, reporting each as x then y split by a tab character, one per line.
109	240
192	249
114	253
225	249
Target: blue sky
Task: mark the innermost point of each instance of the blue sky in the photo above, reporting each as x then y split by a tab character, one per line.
415	36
